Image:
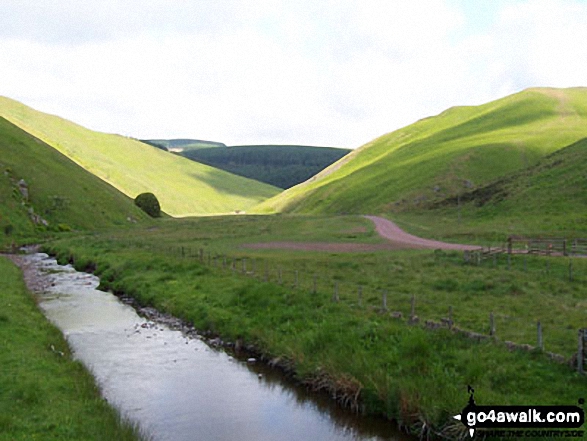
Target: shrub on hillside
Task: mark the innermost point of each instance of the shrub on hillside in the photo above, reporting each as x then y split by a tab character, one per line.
149	204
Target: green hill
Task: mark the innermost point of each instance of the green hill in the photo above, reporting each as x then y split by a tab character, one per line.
459	150
546	199
183	187
280	165
54	192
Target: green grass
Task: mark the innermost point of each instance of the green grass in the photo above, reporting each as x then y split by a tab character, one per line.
404	372
60	191
182	186
440	156
44	395
548	199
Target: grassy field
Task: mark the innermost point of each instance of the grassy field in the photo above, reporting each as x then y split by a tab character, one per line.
45	395
60	191
438	157
183	187
404	372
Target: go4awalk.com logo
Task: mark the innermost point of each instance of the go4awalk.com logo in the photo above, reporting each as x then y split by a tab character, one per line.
536	420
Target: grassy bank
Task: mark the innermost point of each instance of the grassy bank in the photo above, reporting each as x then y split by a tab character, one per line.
416	376
45	395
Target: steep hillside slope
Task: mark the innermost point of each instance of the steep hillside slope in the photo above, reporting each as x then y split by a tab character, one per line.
458	150
182	186
280	165
41	189
547	199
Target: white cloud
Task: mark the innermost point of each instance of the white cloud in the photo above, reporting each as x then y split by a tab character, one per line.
264	71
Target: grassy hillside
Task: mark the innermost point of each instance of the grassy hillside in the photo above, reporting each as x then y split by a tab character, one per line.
460	149
182	186
60	192
280	165
547	199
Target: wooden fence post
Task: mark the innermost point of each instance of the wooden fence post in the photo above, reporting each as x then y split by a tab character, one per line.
581	351
539	332
570	270
335	297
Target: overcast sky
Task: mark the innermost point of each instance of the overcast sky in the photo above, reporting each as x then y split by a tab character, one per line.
318	72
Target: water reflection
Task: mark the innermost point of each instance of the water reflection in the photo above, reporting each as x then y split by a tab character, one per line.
178	388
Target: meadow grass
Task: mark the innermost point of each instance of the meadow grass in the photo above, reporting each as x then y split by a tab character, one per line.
404	372
46	395
183	187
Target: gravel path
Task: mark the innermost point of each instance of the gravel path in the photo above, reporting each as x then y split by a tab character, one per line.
396	239
390	231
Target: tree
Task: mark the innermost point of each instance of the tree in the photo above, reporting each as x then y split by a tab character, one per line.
149	204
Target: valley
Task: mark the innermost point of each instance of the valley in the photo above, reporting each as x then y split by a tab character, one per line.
390	323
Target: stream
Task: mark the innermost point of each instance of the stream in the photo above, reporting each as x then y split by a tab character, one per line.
174	385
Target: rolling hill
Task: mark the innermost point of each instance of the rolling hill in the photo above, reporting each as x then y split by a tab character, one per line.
183	187
459	150
280	165
546	199
41	189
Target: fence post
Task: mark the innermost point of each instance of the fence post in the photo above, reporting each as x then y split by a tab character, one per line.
565	247
539	332
491	324
570	270
335	294
182	252
581	351
509	261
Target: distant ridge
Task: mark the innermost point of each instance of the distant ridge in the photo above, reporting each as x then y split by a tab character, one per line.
181	145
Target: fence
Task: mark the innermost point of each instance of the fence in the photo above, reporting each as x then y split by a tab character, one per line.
377	300
550	246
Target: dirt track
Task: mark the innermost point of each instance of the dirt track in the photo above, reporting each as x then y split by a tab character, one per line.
396	237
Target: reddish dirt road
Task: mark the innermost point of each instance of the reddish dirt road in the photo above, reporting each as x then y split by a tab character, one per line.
390	231
396	239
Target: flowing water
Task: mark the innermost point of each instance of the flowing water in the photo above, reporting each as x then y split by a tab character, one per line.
176	387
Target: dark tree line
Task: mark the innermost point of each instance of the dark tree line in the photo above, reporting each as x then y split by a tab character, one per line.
281	166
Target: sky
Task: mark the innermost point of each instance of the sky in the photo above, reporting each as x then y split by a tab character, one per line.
316	72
